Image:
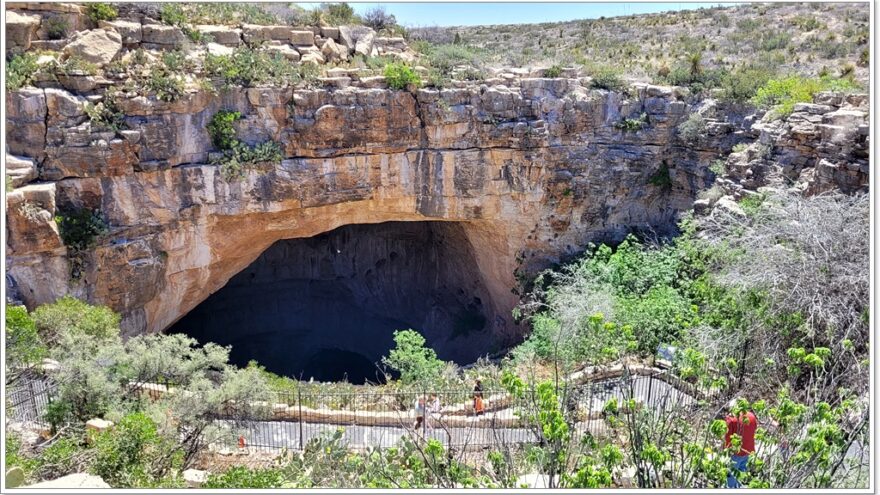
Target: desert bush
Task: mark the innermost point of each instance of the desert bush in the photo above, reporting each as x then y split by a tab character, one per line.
783	94
742	84
378	19
164	85
692	130
338	14
56	28
101	12
134	453
173	14
446	57
632	125
105	115
401	76
221	129
606	78
250	67
553	71
243	477
80	229
68	316
20	71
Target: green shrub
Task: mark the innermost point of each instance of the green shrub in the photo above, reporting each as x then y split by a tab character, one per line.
236	160
415	362
101	12
553	71
782	94
662	178
80	227
606	78
173	14
338	14
70	316
401	76
633	125
167	87
243	477
56	28
77	66
251	67
176	61
20	71
221	129
691	131
742	84
64	456
445	58
133	453
105	115
24	346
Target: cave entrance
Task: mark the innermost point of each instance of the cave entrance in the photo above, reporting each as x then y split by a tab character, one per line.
326	307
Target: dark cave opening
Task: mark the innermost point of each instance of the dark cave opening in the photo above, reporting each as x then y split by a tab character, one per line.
326	307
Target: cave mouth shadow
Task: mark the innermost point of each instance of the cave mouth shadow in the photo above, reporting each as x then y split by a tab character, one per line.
326	307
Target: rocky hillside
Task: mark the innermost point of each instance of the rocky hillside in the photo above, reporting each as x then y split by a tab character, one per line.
788	37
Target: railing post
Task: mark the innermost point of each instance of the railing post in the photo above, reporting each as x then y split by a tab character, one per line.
299	403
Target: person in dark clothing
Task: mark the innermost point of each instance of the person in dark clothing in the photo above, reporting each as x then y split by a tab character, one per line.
478	398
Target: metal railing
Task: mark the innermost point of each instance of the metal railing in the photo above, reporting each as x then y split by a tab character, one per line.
377	419
380	419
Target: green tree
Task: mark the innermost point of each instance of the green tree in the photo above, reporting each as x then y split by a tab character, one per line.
70	316
415	362
24	347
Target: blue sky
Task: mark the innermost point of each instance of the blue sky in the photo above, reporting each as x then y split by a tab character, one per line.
460	14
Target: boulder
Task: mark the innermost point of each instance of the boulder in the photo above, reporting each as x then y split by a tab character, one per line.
314	58
223	35
131	32
350	35
96	426
20	29
285	50
77	480
160	34
364	45
20	170
98	46
729	205
253	33
194	477
218	49
333	52
14	477
330	32
302	38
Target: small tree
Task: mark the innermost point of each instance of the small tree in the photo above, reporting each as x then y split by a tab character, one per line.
415	362
24	347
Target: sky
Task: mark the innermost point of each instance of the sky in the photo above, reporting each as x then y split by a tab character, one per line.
469	14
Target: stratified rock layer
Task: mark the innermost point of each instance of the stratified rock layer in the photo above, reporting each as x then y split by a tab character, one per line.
532	170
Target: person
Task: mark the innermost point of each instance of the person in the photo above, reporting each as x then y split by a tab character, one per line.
420	412
433	410
744	424
478	398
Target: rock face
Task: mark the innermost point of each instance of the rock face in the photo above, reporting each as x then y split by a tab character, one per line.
530	170
20	29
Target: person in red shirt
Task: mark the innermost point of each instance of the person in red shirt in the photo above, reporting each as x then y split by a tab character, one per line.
744	425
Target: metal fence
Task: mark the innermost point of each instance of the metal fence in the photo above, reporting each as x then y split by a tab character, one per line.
28	399
381	419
